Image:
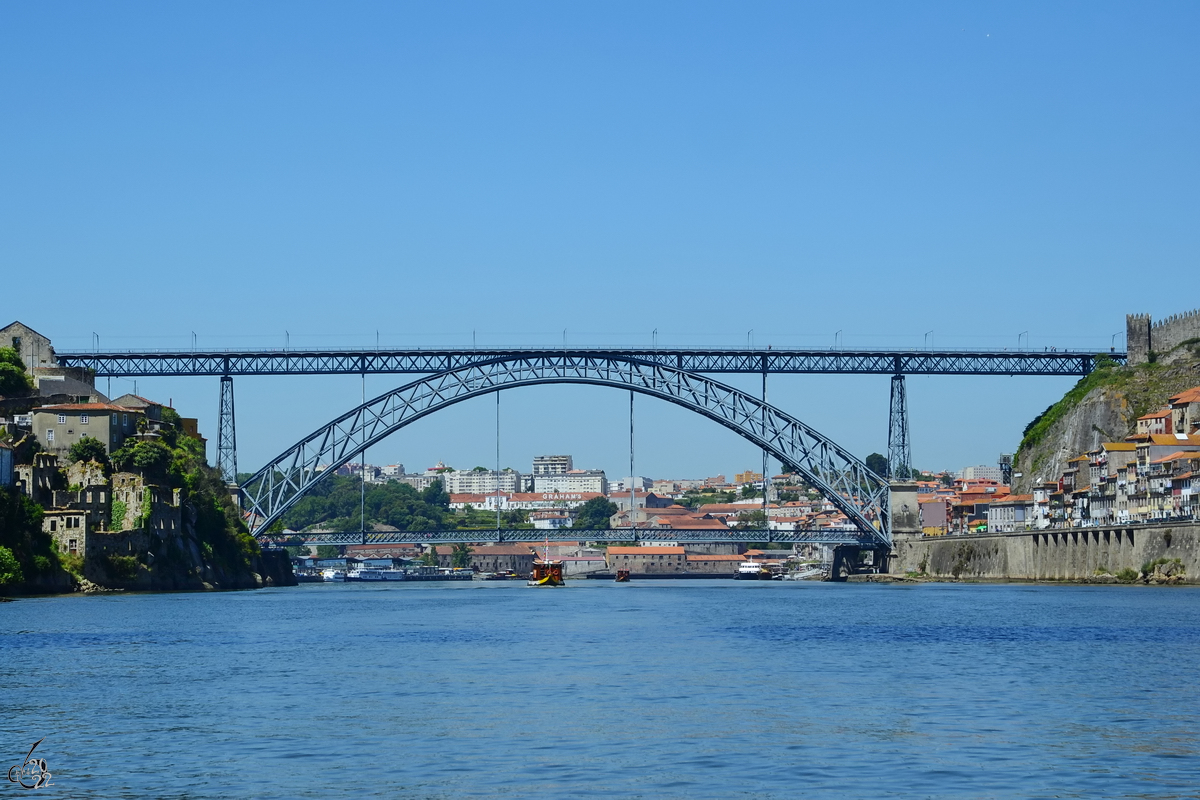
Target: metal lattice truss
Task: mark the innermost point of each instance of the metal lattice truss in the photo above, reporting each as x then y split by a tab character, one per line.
822	536
845	481
424	362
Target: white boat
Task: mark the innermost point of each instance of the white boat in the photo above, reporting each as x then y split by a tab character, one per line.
333	575
376	575
753	571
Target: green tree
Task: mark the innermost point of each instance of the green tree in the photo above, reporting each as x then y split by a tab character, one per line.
13	380
328	551
88	449
594	514
461	556
430	557
435	495
10	568
749	491
21	536
878	464
151	458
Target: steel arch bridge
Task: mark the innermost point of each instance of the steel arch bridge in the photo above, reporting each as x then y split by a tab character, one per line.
844	480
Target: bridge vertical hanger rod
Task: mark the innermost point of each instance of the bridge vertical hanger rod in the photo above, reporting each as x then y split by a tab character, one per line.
498	465
632	499
899	455
227	433
362	469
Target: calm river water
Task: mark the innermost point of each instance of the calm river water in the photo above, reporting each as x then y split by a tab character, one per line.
651	689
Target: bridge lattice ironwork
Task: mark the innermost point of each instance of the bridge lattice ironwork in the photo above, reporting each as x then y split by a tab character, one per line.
844	480
708	535
424	362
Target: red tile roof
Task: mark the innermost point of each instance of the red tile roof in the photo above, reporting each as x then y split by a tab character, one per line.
646	551
88	407
1187	396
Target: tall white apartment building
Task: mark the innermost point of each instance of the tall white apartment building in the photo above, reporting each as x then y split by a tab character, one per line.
552	465
576	480
481	481
983	472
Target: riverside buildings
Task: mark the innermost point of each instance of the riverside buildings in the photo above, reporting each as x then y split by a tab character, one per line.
1151	476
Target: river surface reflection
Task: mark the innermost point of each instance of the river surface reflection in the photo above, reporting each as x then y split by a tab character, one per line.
649	689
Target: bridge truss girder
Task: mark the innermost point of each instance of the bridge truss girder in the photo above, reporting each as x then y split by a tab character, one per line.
424	362
579	535
844	480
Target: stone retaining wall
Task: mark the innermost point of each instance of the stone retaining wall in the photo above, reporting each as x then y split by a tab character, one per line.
1073	554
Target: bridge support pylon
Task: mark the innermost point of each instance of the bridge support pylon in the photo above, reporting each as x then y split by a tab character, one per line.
227	433
899	455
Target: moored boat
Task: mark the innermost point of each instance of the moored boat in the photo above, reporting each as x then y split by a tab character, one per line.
372	575
333	575
753	571
546	573
622	576
506	575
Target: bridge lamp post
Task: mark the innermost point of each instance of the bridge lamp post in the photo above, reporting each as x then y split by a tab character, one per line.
928	336
1019	335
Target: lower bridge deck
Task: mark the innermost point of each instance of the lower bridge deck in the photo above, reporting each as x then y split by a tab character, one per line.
493	535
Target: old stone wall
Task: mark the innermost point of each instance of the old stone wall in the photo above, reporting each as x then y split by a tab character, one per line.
1074	554
1174	330
1143	337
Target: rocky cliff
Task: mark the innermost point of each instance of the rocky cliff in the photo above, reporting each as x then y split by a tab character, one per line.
1102	407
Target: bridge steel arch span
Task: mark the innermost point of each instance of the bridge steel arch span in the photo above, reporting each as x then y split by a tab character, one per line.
859	493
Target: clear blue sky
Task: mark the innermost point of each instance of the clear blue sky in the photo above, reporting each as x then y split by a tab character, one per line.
517	169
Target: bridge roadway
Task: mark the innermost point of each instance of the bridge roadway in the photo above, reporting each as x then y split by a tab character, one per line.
494	536
757	361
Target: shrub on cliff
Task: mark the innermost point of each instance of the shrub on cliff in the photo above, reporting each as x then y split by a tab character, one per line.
88	449
10	568
13	380
149	458
22	536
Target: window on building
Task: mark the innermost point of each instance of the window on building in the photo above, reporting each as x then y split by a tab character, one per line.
49	436
62	419
53	525
72	546
125	420
83	419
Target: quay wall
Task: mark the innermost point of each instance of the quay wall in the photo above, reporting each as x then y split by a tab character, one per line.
1073	554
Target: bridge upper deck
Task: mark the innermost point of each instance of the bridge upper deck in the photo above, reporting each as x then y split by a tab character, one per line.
756	361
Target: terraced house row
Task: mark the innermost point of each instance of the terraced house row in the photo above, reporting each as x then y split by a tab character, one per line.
1151	476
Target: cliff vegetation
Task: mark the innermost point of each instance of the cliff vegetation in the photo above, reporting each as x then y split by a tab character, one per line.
1102	407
